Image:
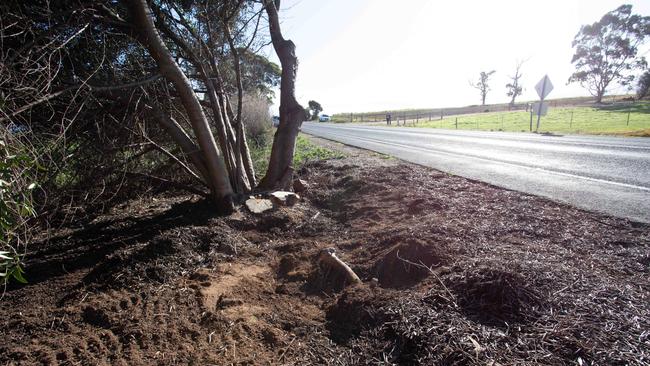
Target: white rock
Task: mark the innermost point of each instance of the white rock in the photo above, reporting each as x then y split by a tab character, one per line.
259	205
284	198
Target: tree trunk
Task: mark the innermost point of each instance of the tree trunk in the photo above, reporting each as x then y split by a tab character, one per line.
221	123
240	97
150	38
246	152
292	114
222	127
181	138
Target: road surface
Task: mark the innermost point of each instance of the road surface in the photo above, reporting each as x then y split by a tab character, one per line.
605	174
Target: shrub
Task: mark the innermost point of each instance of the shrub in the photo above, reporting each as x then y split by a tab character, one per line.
257	119
16	205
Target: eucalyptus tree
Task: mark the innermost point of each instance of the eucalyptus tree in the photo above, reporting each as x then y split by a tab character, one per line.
136	76
514	88
483	84
606	51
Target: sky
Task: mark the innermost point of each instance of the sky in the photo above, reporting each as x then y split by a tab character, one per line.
372	55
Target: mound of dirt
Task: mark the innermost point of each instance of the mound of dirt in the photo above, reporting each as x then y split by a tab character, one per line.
407	263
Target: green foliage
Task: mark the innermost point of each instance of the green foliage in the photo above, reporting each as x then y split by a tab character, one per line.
307	151
260	153
10	267
259	74
606	50
16	206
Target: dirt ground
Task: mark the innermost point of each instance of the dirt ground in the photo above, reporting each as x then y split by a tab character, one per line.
455	272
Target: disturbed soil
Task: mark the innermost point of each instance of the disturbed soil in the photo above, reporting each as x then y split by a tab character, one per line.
455	272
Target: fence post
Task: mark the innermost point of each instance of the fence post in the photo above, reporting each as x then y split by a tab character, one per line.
531	119
417	118
350	117
456	122
442	112
571	121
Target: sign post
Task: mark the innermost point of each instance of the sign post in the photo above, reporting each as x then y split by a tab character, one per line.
543	88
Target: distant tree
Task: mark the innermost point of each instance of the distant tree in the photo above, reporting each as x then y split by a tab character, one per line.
643	87
482	84
514	88
315	108
606	50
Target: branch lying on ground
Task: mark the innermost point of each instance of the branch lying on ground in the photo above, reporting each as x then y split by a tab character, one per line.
329	258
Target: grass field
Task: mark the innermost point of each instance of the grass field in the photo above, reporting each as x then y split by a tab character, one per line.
433	113
616	119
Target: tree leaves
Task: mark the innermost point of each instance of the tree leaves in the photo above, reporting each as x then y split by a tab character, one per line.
16	207
606	50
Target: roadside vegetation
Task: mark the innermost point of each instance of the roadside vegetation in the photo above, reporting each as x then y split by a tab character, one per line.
306	151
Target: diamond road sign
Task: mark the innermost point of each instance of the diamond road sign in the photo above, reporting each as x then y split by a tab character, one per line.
540	109
544	87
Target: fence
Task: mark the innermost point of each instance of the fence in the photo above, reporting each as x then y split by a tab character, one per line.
619	117
423	114
434	114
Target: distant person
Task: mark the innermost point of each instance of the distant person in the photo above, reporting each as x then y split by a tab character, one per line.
388	118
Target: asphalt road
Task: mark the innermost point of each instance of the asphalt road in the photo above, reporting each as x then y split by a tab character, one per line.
605	174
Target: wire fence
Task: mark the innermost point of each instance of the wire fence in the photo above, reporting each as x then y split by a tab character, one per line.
432	114
618	117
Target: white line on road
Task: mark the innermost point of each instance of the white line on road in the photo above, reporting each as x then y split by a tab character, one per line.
410	147
452	134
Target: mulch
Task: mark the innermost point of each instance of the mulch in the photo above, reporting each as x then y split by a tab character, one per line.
455	272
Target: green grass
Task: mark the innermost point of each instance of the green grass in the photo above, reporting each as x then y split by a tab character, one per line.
611	119
305	151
